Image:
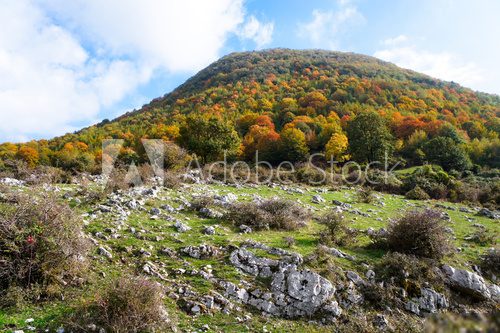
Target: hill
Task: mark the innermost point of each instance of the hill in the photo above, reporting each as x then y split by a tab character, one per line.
318	92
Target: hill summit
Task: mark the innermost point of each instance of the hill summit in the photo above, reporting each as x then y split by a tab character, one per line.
300	100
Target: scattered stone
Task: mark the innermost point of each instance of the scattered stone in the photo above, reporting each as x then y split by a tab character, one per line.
168	252
168	208
489	213
317	199
412	307
210	213
380	322
154	211
226	199
355	278
12	182
103	252
370	274
337	253
201	252
244	229
181	227
210	230
341	204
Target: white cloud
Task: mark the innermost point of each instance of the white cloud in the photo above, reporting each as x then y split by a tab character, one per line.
395	41
182	35
260	33
442	65
56	75
326	27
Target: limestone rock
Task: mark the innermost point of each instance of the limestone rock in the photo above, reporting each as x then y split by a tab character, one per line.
471	283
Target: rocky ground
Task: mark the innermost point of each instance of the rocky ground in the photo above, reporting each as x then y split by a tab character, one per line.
222	278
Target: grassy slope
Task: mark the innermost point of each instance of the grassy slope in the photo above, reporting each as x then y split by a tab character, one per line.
306	241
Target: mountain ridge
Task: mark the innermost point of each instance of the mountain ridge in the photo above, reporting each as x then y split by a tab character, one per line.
178	91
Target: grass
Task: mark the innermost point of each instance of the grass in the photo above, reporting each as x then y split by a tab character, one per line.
50	314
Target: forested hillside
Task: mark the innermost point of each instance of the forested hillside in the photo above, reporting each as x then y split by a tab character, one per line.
288	104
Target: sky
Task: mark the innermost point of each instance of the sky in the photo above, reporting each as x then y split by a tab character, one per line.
65	64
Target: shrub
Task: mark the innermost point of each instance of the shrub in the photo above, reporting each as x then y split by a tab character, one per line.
432	179
417	194
41	243
325	264
365	195
490	262
175	156
117	181
171	180
201	202
407	271
384	181
128	304
311	175
336	231
276	214
380	297
419	232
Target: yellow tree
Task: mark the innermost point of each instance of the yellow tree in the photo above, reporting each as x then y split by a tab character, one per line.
29	155
336	147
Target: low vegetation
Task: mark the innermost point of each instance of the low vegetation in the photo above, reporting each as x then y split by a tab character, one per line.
336	231
273	214
42	246
421	233
127	304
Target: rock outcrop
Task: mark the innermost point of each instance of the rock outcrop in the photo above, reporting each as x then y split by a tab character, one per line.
294	292
471	283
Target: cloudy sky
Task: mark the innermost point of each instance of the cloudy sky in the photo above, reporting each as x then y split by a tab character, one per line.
67	64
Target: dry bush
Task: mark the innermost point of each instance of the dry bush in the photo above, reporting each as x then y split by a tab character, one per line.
421	233
128	304
336	231
171	180
117	181
49	175
41	243
312	176
201	202
407	271
276	214
175	156
381	297
365	195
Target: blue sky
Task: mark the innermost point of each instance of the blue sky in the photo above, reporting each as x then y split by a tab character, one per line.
69	64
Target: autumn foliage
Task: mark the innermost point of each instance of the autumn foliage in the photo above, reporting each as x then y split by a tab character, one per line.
286	105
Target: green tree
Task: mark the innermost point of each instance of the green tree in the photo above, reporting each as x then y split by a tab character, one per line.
445	152
293	146
208	137
450	131
369	138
